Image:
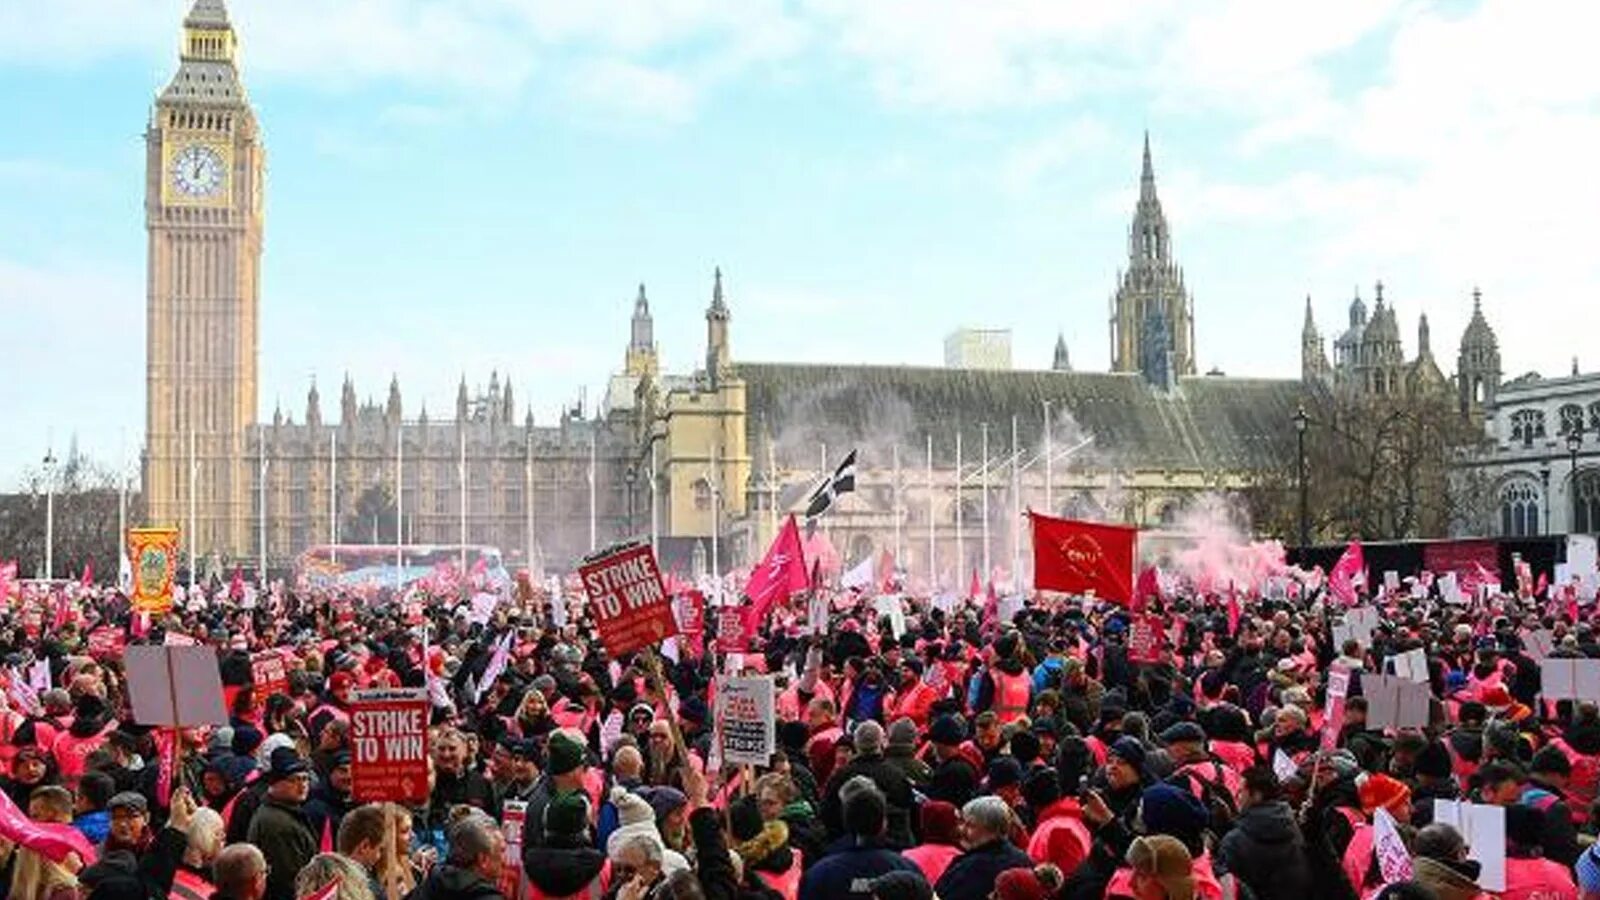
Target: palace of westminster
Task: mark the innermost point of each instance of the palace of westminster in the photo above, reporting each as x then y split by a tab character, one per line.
728	447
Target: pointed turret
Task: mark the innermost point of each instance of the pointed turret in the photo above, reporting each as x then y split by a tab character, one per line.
391	409
719	359
1477	362
1061	363
313	405
207	14
640	359
1424	343
1313	360
1147	176
1152	282
461	400
508	406
347	403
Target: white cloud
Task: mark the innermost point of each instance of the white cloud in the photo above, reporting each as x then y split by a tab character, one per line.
618	88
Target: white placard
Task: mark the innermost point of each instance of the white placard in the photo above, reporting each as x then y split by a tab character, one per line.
1411	665
1484	828
890	605
1538	644
1569	679
747	725
175	686
1394	702
1283	766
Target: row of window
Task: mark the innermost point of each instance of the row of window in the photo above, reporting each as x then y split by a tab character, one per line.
1520	507
1528	425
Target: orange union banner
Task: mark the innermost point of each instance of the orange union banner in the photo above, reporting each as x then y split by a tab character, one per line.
1077	557
154	556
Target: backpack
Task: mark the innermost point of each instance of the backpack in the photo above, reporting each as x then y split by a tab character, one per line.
1221	806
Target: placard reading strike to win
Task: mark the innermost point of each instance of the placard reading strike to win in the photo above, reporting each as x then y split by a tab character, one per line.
389	745
628	599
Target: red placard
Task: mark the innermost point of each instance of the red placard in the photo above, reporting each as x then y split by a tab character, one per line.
389	745
107	642
1144	640
269	673
628	600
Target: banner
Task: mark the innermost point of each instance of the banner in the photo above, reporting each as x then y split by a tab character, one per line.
1144	640
1333	710
1466	559
731	636
389	745
1078	557
746	721
107	642
154	553
1345	574
269	674
627	597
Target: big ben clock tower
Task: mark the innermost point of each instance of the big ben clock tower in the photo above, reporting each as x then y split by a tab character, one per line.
203	210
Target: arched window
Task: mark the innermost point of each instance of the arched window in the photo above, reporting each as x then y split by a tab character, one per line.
702	494
1571	417
1594	416
1527	425
1586	503
1519	509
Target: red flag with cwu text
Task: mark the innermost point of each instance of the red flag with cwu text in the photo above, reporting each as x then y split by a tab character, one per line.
782	572
1076	557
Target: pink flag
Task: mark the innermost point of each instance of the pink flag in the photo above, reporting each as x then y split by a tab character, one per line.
1341	580
51	840
88	574
975	589
1147	585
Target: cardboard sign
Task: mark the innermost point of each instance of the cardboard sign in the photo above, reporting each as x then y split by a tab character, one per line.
1484	828
1411	665
175	686
730	630
628	600
1283	766
1144	640
513	814
389	745
1394	702
1539	644
747	725
269	673
890	605
1569	679
1333	710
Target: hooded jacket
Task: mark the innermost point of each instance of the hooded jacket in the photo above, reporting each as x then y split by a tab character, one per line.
1266	851
563	866
1446	882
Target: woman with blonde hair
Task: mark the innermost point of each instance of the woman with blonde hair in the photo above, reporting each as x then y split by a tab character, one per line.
35	877
1159	868
328	867
395	872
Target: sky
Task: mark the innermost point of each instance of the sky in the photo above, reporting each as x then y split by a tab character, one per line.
463	186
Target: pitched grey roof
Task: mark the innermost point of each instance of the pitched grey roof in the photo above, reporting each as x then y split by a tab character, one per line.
1206	423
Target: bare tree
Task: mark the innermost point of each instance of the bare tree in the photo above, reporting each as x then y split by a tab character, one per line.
87	497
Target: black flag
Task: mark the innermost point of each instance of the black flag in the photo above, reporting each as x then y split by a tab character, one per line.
842	481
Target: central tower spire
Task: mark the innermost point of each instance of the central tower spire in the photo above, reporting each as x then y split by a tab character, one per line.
1152	287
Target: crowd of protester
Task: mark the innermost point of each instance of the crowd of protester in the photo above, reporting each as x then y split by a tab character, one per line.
967	758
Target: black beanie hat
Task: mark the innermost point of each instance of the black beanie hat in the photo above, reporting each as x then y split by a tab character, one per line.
744	819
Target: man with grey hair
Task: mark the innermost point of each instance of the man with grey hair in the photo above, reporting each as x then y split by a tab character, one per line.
985	832
477	857
870	762
637	867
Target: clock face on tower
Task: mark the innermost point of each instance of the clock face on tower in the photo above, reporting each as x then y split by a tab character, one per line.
196	171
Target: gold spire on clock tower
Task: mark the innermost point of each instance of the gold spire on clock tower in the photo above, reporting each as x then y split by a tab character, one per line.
204	168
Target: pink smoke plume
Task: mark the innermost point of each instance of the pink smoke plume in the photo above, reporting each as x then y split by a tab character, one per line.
1216	554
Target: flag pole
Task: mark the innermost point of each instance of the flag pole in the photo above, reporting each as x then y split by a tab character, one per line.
1016	511
1049	464
333	495
716	527
261	504
961	543
399	502
527	505
122	510
461	481
194	529
593	545
987	571
933	571
898	550
772	487
655	524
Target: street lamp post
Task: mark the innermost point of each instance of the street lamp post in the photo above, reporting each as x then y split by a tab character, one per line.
49	514
1544	480
1301	421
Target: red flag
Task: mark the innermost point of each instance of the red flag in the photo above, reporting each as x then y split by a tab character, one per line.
1148	585
1341	580
1075	557
782	572
88	574
1542	586
236	586
975	589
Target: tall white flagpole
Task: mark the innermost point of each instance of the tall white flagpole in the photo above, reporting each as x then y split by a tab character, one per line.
899	551
1049	465
1016	511
716	528
122	510
933	570
987	571
194	529
593	544
772	488
961	538
399	502
655	487
333	495
461	480
261	504
527	493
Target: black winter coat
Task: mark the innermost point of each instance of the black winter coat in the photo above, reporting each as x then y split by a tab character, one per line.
971	875
1266	851
896	787
451	883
